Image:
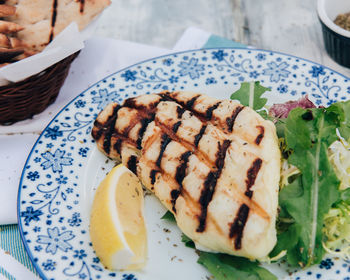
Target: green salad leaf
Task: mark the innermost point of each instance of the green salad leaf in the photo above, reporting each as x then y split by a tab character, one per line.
250	95
344	109
308	134
226	267
168	216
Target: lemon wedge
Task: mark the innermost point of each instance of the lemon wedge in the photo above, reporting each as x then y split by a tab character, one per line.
117	226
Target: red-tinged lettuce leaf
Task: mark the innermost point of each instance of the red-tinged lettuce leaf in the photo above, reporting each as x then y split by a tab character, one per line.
225	267
250	95
308	134
282	110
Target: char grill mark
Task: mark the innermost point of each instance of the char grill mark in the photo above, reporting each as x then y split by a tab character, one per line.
189	104
118	146
179	177
199	136
209	112
110	130
180	111
176	126
97	133
164	143
230	121
144	124
132	164
174	196
152	175
237	227
261	134
221	154
205	198
53	19
82	4
252	173
210	184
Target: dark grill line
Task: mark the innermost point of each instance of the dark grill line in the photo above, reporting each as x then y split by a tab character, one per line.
191	102
199	136
174	194
237	227
261	134
176	126
165	141
82	3
97	131
144	124
180	111
221	154
109	132
251	176
179	177
152	175
205	198
210	184
132	164
118	146
209	112
53	19
230	121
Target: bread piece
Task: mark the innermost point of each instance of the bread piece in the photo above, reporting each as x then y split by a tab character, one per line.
4	41
43	20
9	27
6	10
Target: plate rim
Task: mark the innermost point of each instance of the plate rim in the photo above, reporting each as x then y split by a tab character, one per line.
19	223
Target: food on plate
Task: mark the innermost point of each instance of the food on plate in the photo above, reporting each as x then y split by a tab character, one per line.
27	27
215	164
117	226
169	138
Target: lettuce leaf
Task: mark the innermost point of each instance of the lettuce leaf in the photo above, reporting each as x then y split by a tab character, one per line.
250	95
226	267
308	134
168	216
344	109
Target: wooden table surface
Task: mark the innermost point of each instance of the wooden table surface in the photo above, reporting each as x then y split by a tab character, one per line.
287	26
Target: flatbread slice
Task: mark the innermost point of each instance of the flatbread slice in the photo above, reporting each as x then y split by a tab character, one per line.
42	20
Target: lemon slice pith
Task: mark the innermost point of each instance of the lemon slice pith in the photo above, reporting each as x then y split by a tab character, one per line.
117	226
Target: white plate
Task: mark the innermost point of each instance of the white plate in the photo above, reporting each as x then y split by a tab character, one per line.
64	168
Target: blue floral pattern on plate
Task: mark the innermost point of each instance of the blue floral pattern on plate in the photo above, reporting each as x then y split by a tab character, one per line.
53	220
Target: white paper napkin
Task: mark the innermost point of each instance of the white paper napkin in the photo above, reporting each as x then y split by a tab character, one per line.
66	43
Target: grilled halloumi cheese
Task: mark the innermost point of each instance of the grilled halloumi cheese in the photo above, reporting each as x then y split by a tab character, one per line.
214	164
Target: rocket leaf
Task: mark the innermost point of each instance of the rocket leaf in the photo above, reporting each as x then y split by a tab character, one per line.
308	134
226	267
344	108
250	95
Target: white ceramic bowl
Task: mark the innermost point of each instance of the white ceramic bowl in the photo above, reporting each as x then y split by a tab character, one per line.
336	39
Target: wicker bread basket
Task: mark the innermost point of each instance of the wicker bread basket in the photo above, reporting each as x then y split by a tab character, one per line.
22	100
